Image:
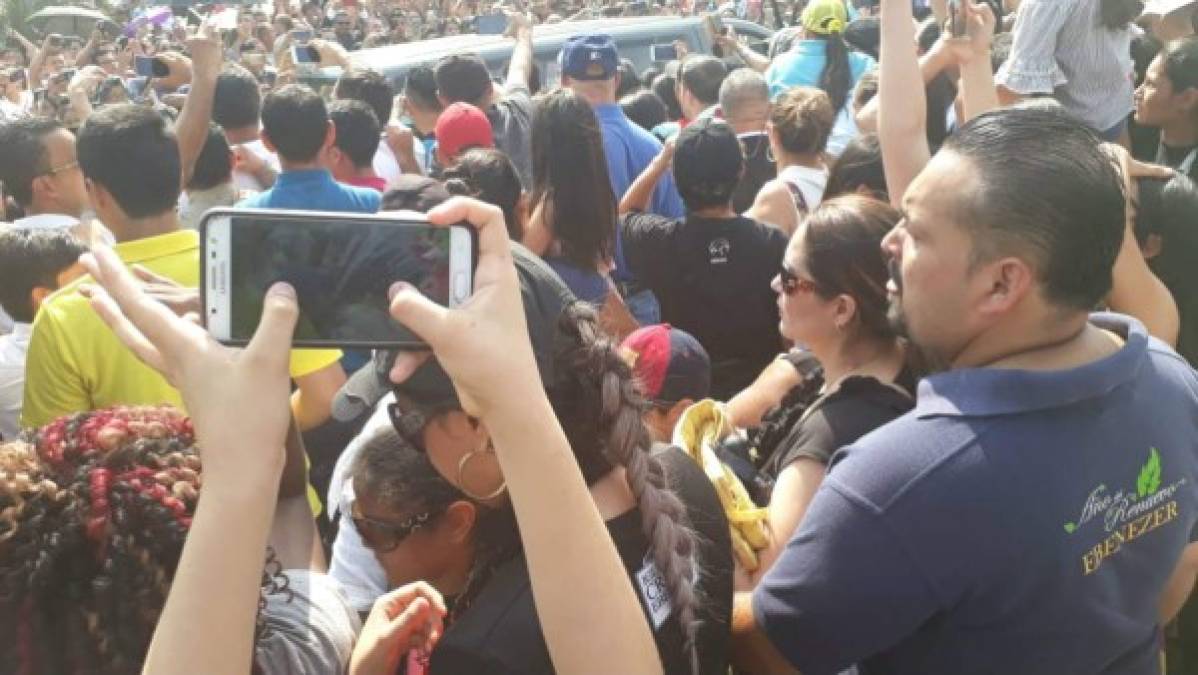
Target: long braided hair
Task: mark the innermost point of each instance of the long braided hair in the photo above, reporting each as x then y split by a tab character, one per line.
601	411
94	510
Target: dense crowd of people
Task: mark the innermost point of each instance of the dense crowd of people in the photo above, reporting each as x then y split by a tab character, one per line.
867	352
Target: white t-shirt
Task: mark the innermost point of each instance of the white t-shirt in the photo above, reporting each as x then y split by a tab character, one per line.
386	166
353	565
247	181
13	348
809	181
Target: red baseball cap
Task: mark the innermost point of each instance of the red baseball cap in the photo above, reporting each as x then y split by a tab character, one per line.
669	364
462	126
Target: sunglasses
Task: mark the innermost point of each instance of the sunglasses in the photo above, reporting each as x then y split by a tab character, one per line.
792	283
410	420
383	536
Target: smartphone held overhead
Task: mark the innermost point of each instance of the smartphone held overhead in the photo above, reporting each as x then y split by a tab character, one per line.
957	18
664	53
149	66
341	266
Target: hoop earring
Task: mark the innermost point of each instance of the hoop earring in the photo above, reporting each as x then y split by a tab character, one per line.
462	469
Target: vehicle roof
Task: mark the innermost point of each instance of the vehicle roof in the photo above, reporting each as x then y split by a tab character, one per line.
394	60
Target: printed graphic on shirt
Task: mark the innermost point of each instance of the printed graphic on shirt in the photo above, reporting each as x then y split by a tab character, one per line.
654	592
1127	514
718	250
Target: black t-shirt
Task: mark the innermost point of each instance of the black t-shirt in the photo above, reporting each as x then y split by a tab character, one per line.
712	277
1175	157
759	170
500	633
857	407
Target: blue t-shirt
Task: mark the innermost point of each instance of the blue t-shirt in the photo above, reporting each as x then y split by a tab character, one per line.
803	66
587	285
314	190
629	151
1013	522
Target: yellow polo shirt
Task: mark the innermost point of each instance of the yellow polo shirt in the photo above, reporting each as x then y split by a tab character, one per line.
75	363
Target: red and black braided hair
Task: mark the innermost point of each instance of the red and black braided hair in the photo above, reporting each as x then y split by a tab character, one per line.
94	510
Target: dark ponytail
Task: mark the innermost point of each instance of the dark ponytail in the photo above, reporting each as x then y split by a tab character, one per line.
1117	14
837	78
601	412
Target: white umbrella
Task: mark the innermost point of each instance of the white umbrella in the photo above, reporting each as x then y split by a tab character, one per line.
66	20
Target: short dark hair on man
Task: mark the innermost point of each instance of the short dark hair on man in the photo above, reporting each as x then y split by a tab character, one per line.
237	102
296	120
1181	63
32	258
644	108
24	156
463	78
1044	189
421	87
702	76
371	87
131	151
214	166
357	131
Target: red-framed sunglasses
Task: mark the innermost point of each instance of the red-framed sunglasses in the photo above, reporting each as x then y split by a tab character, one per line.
792	283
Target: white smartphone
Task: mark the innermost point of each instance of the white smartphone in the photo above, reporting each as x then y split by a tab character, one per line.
340	265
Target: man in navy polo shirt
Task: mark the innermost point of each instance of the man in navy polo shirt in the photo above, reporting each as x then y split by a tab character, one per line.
590	67
296	126
1035	512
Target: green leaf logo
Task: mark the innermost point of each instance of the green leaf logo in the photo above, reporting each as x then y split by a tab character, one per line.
1149	480
1069	528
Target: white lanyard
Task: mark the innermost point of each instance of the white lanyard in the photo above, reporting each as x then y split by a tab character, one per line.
1186	164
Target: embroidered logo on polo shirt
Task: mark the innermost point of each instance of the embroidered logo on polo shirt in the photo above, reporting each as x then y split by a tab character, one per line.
718	250
654	593
1127	515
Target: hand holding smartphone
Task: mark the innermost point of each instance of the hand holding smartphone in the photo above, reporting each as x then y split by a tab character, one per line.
341	266
305	54
664	53
958	19
148	66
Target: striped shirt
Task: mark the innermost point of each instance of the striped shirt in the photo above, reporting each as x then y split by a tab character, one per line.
1062	48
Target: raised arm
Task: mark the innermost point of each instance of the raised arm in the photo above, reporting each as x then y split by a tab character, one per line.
238	404
596	627
732	45
972	52
640	193
902	114
38	61
192	128
519	71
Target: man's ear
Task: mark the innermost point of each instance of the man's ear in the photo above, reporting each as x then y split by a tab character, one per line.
330	136
37	296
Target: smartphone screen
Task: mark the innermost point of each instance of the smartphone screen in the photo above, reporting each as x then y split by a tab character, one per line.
144	65
492	24
664	53
301	37
956	18
340	265
305	54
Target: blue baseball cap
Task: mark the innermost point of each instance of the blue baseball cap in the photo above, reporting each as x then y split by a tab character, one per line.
590	57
